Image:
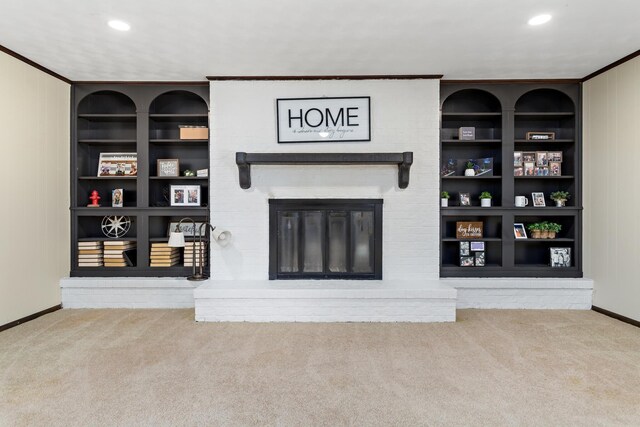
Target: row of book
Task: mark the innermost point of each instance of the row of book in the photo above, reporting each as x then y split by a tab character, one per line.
105	254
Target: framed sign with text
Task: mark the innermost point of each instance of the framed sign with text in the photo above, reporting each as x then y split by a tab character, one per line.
343	119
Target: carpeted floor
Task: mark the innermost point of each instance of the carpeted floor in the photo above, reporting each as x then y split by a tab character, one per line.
159	367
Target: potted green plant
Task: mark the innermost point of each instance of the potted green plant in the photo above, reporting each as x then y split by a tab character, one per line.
535	229
554	228
560	197
485	199
470	170
544	230
444	199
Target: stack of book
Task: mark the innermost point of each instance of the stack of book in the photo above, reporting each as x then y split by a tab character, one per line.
190	257
162	255
90	254
113	256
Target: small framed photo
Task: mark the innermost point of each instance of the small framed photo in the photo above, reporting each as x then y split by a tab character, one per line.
168	167
519	231
518	171
517	158
538	200
555	169
541	171
477	246
464	249
560	257
467	261
541	136
529	156
465	199
480	259
542	158
117	198
555	156
185	195
529	168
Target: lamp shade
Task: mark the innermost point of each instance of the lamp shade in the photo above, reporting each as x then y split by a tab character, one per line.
221	236
176	239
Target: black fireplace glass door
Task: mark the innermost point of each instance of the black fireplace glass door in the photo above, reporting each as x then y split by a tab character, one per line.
313	242
362	241
288	242
338	240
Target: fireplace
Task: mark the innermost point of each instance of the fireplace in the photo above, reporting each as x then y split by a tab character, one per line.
325	239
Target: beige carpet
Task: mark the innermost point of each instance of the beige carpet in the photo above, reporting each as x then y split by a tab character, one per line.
159	367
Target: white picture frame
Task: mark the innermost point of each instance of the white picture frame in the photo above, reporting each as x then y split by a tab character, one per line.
185	195
538	200
519	231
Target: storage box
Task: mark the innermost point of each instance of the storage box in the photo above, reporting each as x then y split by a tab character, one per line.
194	132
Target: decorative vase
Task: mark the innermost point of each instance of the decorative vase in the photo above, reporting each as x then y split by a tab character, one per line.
485	203
560	203
444	203
544	234
536	234
552	234
469	172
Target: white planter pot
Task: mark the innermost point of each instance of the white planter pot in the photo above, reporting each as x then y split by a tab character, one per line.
485	203
560	203
469	172
444	203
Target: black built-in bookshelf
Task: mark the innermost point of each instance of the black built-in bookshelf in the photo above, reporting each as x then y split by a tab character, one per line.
145	119
502	114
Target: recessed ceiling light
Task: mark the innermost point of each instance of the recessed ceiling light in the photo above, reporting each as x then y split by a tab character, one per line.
540	19
116	24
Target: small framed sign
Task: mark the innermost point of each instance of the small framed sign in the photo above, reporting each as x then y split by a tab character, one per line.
186	228
168	167
541	136
469	229
344	119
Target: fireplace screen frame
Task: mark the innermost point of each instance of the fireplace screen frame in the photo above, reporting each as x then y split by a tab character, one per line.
325	206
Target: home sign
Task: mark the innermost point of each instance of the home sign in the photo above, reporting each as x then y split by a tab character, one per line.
324	119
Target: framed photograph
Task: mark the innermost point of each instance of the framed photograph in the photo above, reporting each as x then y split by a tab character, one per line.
529	168
118	164
541	136
519	231
538	200
185	195
555	156
529	156
449	167
117	198
518	171
464	249
517	158
555	168
560	257
480	259
465	199
542	158
467	261
168	167
477	246
541	171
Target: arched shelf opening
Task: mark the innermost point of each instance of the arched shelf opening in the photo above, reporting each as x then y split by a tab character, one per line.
106	102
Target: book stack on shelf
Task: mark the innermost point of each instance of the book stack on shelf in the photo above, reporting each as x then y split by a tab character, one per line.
162	255
90	254
189	254
113	252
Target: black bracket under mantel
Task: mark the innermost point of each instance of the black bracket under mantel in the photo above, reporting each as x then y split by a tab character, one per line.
245	160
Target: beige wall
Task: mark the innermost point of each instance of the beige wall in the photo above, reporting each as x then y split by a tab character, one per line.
34	214
611	105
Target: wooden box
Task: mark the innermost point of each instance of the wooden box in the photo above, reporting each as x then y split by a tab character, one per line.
194	132
469	229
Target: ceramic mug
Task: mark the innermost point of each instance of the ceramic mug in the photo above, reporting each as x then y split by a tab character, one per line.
521	201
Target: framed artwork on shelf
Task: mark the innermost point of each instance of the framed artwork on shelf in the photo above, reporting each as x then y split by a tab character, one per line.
469	229
465	199
517	158
518	171
185	195
555	156
467	261
186	228
541	136
555	169
560	257
538	200
464	249
118	164
480	259
477	246
529	156
529	168
168	167
117	198
519	231
542	171
542	158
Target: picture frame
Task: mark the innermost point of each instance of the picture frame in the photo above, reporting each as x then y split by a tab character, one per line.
538	200
469	229
185	195
480	259
529	168
528	156
542	158
168	167
541	136
541	171
117	165
465	199
517	158
519	171
186	228
519	231
555	156
555	168
560	257
117	198
464	249
476	246
467	261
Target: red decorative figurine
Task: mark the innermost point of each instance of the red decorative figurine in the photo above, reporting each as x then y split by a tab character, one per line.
94	199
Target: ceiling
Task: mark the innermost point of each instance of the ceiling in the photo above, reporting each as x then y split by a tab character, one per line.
187	40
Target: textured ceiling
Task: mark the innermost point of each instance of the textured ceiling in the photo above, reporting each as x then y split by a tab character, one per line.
190	39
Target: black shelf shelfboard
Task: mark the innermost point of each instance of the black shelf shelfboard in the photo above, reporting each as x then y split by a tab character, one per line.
484	239
107	141
182	142
108	117
545	177
557	239
107	178
179	178
107	239
470	178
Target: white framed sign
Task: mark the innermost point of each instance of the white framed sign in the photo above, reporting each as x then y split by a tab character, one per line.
343	119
